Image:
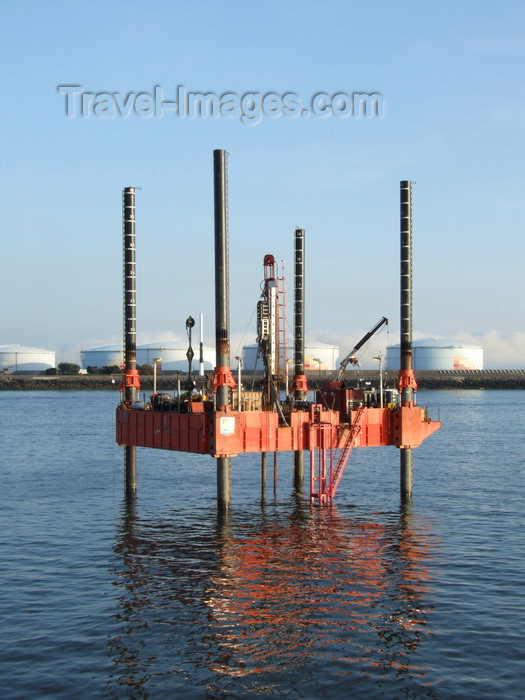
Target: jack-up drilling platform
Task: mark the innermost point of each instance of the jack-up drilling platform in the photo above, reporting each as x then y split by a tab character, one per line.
220	420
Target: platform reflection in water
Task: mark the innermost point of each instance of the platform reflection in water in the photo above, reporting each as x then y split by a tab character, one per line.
314	599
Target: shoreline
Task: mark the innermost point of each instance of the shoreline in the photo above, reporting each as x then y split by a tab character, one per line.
438	379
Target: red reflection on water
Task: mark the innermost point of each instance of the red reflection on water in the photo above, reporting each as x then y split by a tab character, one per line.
284	594
309	590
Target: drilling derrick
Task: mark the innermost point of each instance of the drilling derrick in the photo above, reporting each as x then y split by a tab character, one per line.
271	333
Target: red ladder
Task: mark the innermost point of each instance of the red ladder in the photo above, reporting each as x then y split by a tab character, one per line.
318	466
281	326
323	481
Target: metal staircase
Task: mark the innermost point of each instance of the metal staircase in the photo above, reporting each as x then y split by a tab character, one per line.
325	477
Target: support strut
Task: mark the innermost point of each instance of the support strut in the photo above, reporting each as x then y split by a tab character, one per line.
223	378
407	382
130	384
299	386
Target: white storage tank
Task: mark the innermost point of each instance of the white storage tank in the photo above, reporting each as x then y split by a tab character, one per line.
17	358
103	356
173	355
317	356
438	354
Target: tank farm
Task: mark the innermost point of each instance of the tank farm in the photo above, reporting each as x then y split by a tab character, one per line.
214	415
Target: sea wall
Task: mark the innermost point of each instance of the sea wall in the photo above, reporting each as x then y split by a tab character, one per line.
18	382
451	379
459	379
471	379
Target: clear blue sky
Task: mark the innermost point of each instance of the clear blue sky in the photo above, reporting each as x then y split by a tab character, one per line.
451	77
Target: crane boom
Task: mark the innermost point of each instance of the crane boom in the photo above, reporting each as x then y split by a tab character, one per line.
359	345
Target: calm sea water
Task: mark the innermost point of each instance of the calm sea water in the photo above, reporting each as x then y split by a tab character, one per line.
161	598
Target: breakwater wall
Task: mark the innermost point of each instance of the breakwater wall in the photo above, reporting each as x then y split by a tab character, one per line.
26	382
449	379
439	379
473	379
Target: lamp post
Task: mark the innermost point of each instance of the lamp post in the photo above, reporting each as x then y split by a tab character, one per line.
379	358
286	376
158	359
178	391
239	388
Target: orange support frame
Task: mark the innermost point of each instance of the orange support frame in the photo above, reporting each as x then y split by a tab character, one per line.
223	376
130	379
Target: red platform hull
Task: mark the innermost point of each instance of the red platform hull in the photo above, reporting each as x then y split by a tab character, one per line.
228	433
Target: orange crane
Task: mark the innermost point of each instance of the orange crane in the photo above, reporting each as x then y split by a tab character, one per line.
350	358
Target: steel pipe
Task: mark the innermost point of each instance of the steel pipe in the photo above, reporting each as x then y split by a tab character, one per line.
223	378
407	381
130	379
300	385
